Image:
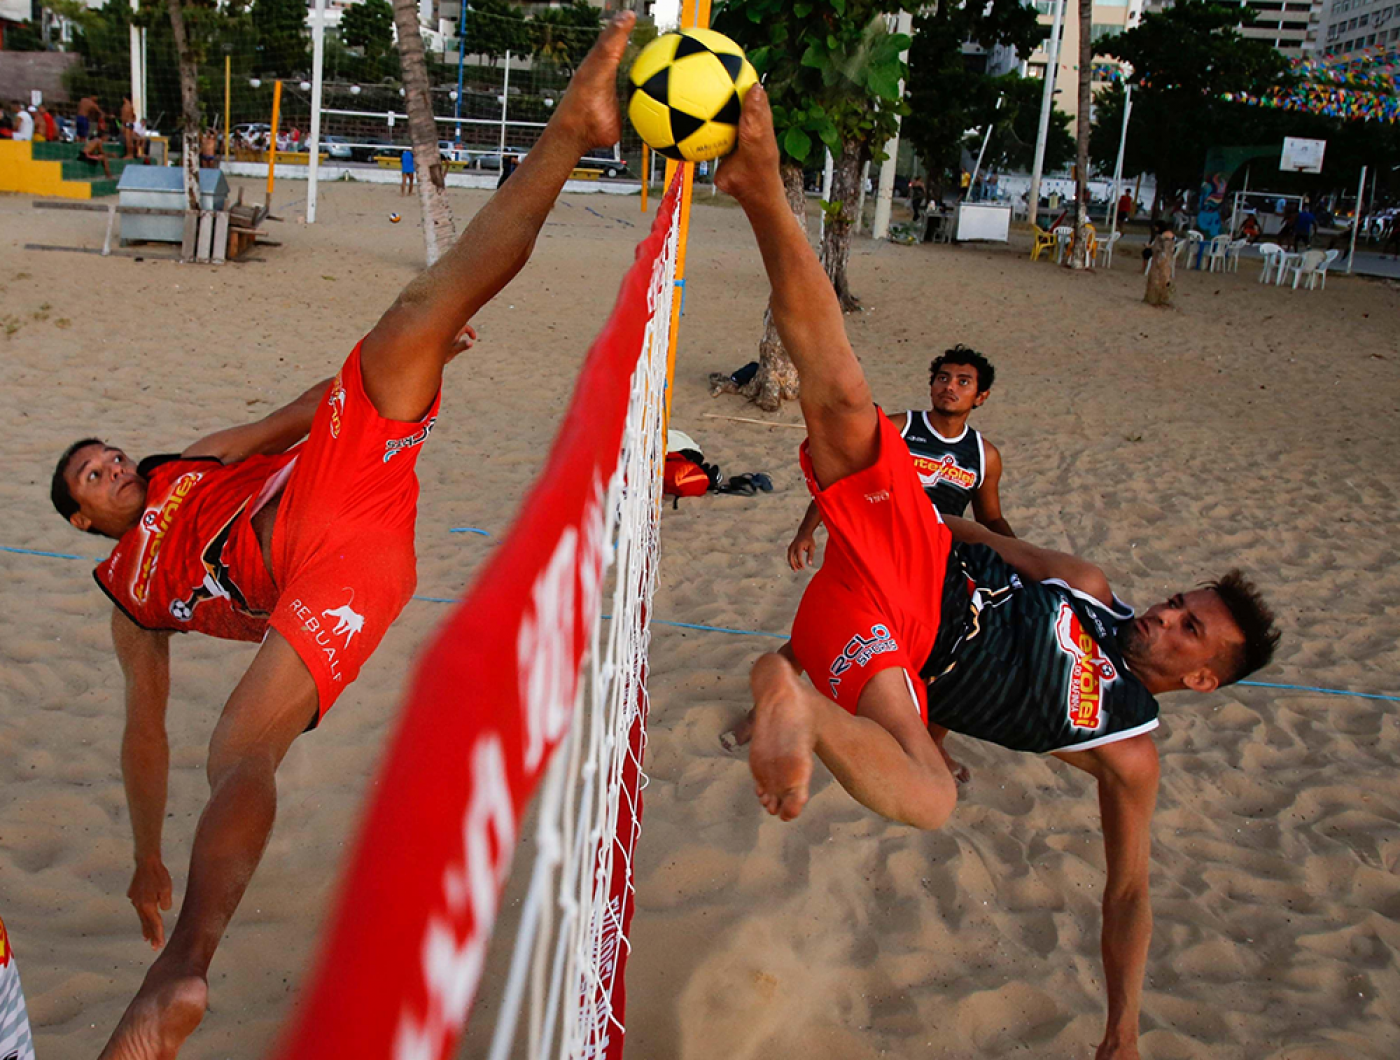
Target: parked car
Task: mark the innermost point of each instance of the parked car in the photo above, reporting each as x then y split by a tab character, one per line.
336	147
608	159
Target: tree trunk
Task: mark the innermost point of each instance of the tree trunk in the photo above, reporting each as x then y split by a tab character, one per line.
840	221
776	379
439	232
1080	258
1161	274
189	104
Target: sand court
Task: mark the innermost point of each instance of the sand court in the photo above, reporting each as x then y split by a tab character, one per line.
1249	426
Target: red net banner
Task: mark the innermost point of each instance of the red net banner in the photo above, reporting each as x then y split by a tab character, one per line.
490	699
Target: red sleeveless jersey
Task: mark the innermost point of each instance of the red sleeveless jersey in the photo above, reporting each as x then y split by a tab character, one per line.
192	561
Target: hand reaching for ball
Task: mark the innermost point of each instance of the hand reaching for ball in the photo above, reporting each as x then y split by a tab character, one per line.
750	173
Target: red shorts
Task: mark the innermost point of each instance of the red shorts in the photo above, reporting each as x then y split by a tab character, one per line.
876	601
342	546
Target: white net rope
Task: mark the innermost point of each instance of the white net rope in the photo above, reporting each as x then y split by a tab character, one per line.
571	932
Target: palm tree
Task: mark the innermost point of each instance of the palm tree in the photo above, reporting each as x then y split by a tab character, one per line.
439	232
189	104
1080	258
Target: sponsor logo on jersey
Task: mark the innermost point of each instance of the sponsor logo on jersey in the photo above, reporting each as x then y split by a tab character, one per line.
943	469
859	651
877	496
348	622
1090	674
336	400
394	446
156	523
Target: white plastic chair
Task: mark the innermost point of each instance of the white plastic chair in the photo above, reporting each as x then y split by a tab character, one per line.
1193	240
1232	254
1313	263
1218	246
1273	260
1063	236
1104	254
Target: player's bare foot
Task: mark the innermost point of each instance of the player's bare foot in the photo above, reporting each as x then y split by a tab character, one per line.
738	736
750	173
783	737
161	1017
589	107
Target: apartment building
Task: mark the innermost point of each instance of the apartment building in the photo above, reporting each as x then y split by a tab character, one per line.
1110	17
1349	26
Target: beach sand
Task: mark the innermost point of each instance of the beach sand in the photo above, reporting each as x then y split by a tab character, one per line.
1249	426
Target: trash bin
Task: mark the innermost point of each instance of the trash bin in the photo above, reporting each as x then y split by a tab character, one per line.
163	188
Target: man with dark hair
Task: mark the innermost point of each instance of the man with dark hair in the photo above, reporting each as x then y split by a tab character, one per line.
306	548
915	620
955	463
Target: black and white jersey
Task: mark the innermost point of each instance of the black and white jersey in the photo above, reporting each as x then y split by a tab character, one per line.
1033	666
950	469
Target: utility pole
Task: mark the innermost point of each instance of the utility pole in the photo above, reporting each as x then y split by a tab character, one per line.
1047	104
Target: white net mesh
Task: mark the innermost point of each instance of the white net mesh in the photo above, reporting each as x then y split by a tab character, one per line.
571	942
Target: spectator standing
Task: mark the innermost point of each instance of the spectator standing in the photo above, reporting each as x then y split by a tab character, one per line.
406	172
24	123
1303	226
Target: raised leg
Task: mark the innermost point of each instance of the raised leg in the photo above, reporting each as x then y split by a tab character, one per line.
882	755
403	357
271	705
842	424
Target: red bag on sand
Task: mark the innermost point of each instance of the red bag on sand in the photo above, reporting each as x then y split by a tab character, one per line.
683	477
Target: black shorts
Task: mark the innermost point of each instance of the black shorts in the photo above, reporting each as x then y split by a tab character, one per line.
94	162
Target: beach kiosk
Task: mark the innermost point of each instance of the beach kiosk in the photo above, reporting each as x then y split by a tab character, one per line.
163	188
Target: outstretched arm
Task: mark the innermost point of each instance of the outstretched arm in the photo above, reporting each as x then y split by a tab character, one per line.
402	358
275	433
842	424
803	550
1127	773
145	660
1031	561
986	502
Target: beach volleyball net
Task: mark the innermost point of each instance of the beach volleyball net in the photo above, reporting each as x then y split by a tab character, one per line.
536	680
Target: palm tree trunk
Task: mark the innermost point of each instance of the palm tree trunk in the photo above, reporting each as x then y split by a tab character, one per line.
840	219
776	379
439	232
189	105
1080	259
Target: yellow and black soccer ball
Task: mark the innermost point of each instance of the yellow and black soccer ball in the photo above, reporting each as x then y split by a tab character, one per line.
686	91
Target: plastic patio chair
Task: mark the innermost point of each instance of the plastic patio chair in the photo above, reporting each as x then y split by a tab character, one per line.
1105	249
1064	235
1216	253
1313	264
1233	252
1043	241
1273	260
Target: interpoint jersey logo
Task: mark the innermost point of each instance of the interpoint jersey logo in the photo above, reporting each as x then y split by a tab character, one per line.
156	523
394	446
945	469
1090	674
336	401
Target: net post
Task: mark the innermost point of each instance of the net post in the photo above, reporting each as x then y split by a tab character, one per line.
228	97
645	174
272	139
695	14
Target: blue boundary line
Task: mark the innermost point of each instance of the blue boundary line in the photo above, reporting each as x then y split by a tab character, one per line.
750	632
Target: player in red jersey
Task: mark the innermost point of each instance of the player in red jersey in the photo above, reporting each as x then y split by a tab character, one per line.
308	548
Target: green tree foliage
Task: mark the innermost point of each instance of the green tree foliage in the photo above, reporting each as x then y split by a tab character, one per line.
368	25
561	36
282	37
948	94
831	69
1017	124
23	37
494	27
1184	60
